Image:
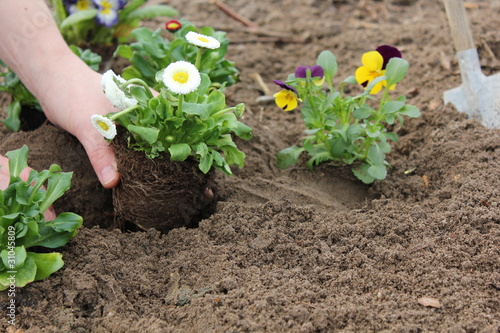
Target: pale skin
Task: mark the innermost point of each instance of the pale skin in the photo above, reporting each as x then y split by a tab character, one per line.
68	90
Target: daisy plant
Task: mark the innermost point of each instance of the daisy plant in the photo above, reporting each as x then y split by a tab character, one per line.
102	22
204	47
24	227
344	129
187	118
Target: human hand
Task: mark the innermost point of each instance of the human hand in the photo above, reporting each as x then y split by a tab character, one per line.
69	98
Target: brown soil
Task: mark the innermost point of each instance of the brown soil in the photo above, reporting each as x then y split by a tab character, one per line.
292	250
178	191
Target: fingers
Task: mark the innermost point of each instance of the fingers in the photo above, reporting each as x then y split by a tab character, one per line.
102	158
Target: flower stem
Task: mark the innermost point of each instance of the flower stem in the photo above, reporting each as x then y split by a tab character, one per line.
139	82
121	113
198	59
178	112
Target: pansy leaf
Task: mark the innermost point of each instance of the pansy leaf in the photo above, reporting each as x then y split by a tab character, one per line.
410	111
362	174
396	70
363	112
376	155
377	171
80	16
288	156
391	107
327	60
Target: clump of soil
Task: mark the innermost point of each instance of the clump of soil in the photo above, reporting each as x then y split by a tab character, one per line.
160	193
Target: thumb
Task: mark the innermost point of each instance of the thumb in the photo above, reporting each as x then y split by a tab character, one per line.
103	160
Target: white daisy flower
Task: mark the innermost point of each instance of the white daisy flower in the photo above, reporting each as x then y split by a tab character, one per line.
104	125
113	93
202	40
181	77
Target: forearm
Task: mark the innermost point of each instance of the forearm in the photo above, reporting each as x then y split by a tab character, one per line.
30	43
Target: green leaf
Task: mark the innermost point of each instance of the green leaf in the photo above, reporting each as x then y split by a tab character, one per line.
57	185
152	11
327	60
13	259
80	16
234	156
396	70
243	131
363	112
124	51
391	107
46	263
376	155
65	222
18	160
362	174
410	111
179	151
392	136
148	134
13	119
23	275
288	156
337	147
377	171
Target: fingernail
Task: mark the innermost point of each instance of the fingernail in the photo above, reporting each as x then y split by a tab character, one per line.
108	175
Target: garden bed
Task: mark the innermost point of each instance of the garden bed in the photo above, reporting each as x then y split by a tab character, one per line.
294	250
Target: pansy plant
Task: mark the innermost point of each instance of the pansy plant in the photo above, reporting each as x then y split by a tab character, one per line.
204	47
187	118
344	129
101	22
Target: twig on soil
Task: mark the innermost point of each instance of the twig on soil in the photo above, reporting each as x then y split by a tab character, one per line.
226	9
258	79
251	27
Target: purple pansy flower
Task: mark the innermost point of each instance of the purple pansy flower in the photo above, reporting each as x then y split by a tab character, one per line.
316	71
387	53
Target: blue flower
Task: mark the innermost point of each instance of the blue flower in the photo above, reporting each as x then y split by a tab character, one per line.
108	11
75	6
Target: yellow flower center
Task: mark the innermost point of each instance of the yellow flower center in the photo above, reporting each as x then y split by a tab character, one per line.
106	7
203	39
181	77
83	4
104	126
